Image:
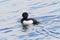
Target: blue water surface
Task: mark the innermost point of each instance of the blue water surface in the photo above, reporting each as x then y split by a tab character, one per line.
45	11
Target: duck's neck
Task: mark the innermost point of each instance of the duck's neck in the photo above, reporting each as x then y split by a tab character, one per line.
24	18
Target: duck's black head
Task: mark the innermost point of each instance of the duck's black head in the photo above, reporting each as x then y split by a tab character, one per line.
25	15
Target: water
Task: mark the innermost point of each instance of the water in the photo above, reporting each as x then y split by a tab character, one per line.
45	11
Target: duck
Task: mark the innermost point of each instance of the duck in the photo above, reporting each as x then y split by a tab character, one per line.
25	21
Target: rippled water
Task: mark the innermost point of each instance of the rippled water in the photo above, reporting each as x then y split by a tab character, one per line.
45	11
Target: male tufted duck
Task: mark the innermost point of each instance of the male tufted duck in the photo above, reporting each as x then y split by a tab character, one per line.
27	21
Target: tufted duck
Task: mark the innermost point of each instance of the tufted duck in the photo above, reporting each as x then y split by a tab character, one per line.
27	21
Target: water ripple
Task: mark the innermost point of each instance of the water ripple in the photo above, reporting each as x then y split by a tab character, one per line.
1	1
44	5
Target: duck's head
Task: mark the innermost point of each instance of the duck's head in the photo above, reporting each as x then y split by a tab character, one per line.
25	15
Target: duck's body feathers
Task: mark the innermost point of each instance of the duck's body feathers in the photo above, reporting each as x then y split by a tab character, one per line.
29	21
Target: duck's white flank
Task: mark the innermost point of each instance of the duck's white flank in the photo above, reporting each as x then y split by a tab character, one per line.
27	22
